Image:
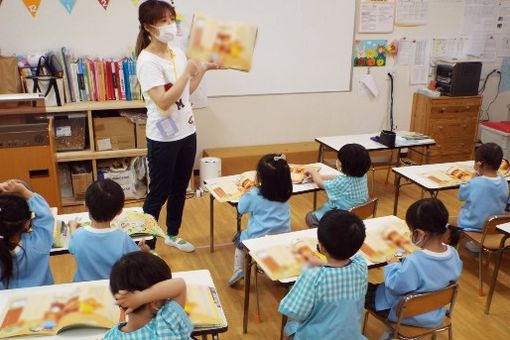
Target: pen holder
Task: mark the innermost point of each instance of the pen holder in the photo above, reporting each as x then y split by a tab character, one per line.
387	138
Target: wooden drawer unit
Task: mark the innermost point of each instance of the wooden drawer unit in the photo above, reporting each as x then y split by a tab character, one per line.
451	121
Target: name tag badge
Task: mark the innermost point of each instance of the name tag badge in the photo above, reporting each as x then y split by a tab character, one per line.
167	127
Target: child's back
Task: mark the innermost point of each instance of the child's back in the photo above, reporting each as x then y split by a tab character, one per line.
30	257
97	247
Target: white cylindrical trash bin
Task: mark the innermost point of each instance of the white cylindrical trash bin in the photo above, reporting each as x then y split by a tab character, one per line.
210	167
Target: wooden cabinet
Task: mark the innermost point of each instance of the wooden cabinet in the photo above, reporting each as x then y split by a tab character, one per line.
451	121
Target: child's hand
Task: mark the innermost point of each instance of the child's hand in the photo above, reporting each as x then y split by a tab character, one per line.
74	224
129	301
143	246
314	260
393	259
15	187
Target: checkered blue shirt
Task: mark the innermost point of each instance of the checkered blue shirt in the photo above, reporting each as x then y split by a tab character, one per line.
344	192
328	302
170	323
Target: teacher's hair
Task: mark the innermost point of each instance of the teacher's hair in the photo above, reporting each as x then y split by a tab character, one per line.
149	13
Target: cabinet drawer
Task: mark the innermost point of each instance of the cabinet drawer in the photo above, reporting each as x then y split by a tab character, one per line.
455	112
452	147
448	129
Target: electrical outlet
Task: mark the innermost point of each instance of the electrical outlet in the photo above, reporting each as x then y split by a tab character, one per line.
391	70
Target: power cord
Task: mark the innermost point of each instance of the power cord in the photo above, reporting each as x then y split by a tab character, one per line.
485	113
391	102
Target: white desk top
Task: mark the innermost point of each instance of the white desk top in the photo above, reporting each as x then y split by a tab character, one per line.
336	142
85	216
325	170
195	277
415	173
504	228
256	244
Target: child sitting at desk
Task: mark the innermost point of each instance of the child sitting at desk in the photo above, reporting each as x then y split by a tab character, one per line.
268	204
143	286
485	195
432	268
97	247
327	302
25	242
346	190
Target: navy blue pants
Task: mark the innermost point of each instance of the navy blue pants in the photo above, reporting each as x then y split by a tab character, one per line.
170	167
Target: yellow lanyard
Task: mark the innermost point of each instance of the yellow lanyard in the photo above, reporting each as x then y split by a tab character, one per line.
172	58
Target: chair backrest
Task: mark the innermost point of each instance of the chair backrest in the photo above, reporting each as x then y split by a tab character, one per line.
365	210
420	303
489	227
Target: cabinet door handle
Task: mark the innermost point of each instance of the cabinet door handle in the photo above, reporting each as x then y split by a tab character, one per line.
468	107
443	109
38	173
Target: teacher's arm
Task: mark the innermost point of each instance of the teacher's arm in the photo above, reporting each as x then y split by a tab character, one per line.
166	98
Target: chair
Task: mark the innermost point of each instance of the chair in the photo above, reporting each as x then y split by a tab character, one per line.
490	241
416	304
365	210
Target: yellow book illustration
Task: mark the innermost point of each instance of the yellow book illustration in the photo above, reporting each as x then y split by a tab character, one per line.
230	44
202	306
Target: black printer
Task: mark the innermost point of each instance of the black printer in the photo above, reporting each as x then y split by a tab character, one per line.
458	78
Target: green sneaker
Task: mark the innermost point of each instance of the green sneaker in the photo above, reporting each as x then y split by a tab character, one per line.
179	243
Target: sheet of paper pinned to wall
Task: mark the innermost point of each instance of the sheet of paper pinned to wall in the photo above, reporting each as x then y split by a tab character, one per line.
405	50
503	29
411	12
505	75
376	16
420	62
443	48
479	27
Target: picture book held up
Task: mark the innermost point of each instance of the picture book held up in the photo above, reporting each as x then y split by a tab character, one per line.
229	44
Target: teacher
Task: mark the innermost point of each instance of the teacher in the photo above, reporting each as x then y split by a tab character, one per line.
167	79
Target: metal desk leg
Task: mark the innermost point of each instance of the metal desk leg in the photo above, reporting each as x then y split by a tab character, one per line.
247	281
239	218
427	154
321	154
282	330
314	200
211	222
398	178
494	277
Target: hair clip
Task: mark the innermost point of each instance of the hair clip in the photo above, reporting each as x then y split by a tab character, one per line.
277	158
1	237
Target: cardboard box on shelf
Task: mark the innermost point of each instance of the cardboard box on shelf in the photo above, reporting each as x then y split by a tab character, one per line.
114	133
80	184
141	140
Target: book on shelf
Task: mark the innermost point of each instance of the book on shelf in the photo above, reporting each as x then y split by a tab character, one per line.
49	312
229	44
134	223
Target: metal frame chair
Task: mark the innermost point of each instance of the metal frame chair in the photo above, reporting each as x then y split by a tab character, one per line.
416	304
366	210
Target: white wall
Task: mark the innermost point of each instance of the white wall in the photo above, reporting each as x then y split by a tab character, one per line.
231	121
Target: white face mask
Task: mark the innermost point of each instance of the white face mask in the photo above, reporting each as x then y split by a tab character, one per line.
167	33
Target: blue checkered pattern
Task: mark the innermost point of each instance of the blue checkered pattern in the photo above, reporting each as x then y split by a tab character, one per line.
344	192
328	302
170	323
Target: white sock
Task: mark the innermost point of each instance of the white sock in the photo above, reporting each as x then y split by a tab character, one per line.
238	259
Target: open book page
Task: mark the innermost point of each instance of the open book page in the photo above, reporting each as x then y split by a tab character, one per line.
387	240
452	176
202	307
49	312
229	44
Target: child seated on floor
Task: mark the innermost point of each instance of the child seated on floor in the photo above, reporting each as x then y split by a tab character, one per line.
485	195
346	190
326	302
154	302
98	246
25	242
431	268
268	205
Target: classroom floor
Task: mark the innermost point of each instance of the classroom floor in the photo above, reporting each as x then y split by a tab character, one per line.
469	321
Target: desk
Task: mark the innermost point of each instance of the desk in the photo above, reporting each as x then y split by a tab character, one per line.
253	245
195	277
335	143
504	229
151	240
296	190
414	174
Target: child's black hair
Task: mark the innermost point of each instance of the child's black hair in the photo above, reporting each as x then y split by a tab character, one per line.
431	216
273	174
14	214
355	160
138	271
490	155
341	233
104	200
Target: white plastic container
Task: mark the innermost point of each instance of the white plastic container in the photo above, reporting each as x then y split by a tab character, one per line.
498	133
210	167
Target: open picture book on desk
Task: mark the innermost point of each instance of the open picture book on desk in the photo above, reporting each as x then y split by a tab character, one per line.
202	306
283	256
49	310
229	44
231	188
132	220
458	174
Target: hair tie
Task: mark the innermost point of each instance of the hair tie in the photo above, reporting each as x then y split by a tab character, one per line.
277	158
1	237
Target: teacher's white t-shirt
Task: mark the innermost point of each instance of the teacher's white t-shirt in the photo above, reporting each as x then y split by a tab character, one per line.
177	122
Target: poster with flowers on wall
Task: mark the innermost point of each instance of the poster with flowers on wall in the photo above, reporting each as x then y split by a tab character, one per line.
371	53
